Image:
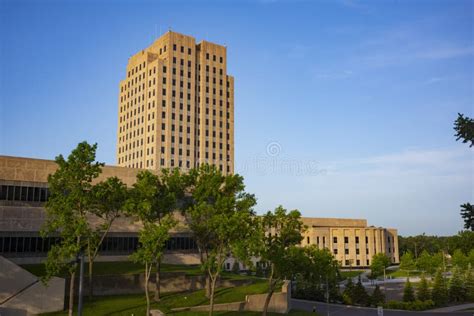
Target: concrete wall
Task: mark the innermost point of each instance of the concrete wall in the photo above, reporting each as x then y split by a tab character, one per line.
22	292
279	303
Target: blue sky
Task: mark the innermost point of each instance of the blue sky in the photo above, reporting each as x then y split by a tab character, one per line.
343	108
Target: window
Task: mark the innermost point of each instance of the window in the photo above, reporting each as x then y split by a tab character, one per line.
346	240
307	239
357	239
334	240
335	251
346	251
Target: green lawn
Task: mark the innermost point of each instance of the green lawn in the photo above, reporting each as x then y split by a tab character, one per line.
121	267
128	267
136	304
401	273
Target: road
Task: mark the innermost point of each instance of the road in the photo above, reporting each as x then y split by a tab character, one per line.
343	310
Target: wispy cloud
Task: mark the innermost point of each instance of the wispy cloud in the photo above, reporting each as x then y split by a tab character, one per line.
429	162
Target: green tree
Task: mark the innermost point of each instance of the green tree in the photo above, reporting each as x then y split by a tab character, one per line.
108	201
469	281
457	288
280	233
348	293
423	292
152	241
377	298
439	292
153	198
467	213
464	127
379	263
459	259
319	276
360	295
425	263
67	209
407	262
221	219
470	258
408	293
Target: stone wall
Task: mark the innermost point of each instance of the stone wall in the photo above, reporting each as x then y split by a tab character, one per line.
279	303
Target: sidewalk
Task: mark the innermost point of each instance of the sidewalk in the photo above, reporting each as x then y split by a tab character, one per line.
450	309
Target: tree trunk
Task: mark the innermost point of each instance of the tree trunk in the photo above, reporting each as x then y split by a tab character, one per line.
91	289
213	288
147	277
158	281
71	294
271	289
208	286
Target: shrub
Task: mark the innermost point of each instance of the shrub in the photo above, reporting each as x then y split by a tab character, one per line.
377	297
408	293
439	294
410	306
423	293
457	287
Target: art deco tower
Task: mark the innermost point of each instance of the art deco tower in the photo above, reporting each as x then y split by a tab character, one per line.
176	106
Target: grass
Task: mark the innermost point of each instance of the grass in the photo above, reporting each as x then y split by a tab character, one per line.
120	267
401	273
136	304
350	274
128	267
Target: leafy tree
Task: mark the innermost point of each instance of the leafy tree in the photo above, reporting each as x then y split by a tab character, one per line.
464	127
467	213
377	298
153	198
427	263
457	288
469	281
408	293
439	293
423	292
463	240
470	258
407	262
67	209
108	201
459	259
379	263
348	293
320	273
221	219
360	295
152	241
280	232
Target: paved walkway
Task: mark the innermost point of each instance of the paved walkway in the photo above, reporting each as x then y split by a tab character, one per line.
341	310
453	308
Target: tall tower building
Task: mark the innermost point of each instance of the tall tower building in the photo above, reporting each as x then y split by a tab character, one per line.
176	106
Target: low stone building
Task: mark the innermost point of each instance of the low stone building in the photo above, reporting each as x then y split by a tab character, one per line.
24	190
